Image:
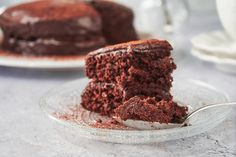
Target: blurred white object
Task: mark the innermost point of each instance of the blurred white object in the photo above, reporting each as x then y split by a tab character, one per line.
206	6
216	47
227	14
151	17
158	18
9	2
222	63
162	17
216	43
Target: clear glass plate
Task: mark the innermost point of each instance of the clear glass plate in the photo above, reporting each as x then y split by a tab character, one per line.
189	92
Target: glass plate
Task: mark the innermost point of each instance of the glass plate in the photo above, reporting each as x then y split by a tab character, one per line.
189	92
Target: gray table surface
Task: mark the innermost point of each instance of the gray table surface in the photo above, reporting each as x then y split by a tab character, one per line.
25	131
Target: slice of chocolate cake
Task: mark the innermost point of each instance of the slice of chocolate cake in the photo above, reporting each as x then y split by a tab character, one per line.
139	69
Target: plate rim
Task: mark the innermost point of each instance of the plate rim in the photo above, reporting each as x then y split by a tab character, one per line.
212	58
21	62
111	131
209	48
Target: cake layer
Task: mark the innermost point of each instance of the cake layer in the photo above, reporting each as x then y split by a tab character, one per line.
121	71
145	58
117	21
148	109
102	97
105	97
50	18
52	46
141	76
158	90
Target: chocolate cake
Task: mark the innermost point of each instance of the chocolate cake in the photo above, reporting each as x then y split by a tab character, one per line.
120	74
52	27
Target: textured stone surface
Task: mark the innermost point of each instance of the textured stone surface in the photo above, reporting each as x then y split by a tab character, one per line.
25	131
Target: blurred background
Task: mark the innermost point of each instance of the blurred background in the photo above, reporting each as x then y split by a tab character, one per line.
175	20
193	27
151	15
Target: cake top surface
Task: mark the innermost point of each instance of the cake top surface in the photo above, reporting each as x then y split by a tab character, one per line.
48	10
137	46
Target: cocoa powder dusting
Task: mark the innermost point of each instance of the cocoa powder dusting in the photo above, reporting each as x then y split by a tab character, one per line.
74	114
109	124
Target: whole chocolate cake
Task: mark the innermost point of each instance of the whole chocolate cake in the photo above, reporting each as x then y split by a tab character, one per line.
137	71
54	27
51	27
